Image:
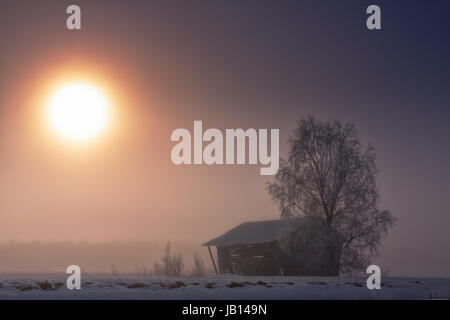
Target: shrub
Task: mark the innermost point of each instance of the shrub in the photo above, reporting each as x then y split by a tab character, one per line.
114	270
198	268
171	265
141	269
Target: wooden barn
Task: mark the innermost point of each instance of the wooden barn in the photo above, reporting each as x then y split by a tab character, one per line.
276	247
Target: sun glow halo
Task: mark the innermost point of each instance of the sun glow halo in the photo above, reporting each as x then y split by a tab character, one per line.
78	111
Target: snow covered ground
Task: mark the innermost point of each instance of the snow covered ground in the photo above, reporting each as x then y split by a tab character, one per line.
220	287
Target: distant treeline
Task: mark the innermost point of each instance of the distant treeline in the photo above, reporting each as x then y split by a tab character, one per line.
123	257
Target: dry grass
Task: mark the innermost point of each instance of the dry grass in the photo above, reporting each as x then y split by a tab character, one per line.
234	284
136	285
45	285
176	284
25	287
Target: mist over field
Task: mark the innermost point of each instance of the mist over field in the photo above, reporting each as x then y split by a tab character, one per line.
41	258
123	257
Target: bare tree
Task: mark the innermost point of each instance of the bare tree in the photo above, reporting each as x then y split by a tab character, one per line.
327	175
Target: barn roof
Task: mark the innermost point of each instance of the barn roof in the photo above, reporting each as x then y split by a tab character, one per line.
256	232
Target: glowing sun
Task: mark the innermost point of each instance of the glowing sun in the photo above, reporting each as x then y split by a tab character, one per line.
78	111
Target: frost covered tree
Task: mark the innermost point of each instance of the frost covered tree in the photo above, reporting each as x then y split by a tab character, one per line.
328	175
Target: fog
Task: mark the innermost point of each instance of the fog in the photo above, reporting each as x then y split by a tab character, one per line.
165	66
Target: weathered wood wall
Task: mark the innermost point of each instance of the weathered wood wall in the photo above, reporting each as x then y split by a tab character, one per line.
250	259
267	259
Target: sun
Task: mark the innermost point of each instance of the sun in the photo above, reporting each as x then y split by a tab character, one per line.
78	111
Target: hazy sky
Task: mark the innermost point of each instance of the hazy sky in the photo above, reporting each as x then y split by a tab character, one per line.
231	64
